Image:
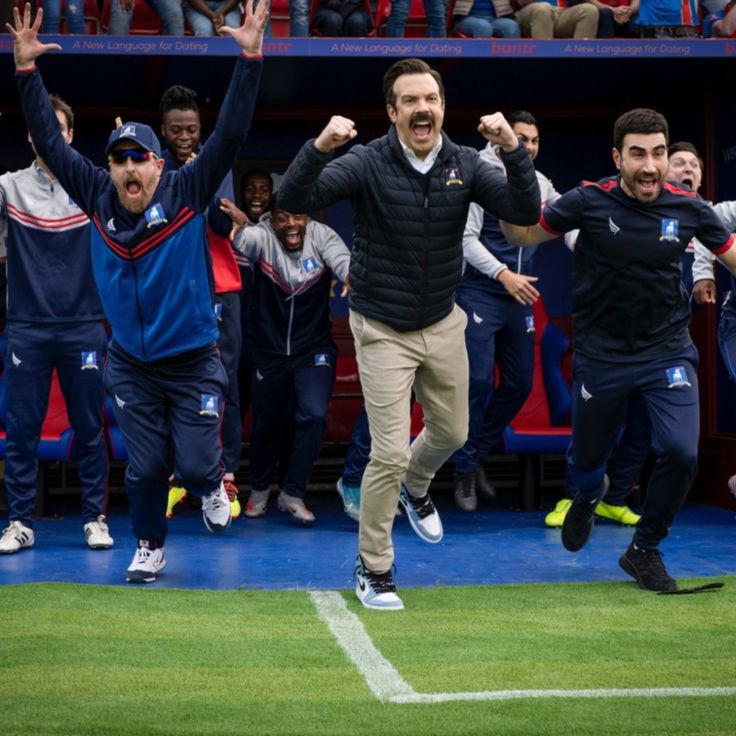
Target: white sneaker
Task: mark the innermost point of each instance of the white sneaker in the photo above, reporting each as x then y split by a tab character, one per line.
257	502
350	496
146	563
97	534
376	590
216	510
295	506
16	537
423	516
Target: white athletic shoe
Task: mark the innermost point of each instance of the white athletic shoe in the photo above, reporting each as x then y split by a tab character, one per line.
422	514
295	506
376	590
97	534
216	510
15	538
257	502
146	563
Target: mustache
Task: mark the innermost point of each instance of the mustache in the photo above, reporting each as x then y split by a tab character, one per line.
422	117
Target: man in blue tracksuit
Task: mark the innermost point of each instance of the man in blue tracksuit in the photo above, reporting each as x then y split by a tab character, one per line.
149	256
496	292
290	343
630	328
54	322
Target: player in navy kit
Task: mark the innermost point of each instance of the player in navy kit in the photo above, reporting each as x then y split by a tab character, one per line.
163	370
630	329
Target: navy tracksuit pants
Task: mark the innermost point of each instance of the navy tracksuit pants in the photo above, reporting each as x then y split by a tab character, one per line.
600	394
500	331
229	343
293	389
169	413
77	351
727	334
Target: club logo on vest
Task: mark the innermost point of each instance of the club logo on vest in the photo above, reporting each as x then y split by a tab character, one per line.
453	177
670	230
677	376
155	216
209	406
89	361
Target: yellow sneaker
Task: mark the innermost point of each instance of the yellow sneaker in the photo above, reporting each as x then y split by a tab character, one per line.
232	493
622	514
176	495
555	517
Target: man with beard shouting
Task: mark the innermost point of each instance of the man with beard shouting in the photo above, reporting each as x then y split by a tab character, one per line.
630	320
149	259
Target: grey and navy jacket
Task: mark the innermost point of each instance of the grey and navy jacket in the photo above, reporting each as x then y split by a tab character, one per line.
48	251
407	253
290	309
151	269
483	231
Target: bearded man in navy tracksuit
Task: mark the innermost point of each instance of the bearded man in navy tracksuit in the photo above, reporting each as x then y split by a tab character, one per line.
630	320
163	370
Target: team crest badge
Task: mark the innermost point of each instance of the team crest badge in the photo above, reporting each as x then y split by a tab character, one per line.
322	359
530	323
453	177
670	230
89	361
155	216
677	376
209	406
310	264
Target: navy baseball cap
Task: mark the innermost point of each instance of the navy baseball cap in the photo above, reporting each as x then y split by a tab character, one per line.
138	133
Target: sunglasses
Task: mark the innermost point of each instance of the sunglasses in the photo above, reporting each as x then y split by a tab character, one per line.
136	155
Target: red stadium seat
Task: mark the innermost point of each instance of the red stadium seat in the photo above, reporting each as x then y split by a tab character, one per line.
280	18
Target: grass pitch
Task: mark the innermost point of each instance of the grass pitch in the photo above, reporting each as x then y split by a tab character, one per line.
88	660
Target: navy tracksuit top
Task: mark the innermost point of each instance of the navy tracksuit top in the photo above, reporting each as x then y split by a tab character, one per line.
151	269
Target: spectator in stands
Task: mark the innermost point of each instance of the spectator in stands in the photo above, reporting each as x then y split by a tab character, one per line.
54	321
410	192
434	10
163	370
291	347
617	18
485	18
630	330
669	18
52	17
552	19
298	18
335	18
496	292
720	19
206	17
182	130
170	12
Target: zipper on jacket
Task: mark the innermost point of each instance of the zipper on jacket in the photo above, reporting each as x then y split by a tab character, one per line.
288	329
138	308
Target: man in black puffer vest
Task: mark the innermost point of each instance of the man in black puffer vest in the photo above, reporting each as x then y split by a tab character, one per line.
411	190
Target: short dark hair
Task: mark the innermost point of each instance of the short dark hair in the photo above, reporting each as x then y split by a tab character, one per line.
684	146
639	120
521	116
60	106
408	66
178	98
255	172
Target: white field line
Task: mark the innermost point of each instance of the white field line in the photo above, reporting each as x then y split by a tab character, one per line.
387	685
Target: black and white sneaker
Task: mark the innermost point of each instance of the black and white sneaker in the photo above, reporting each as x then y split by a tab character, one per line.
376	590
146	564
216	510
647	568
423	516
15	538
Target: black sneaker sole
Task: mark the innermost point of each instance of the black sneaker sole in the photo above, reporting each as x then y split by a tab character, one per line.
575	539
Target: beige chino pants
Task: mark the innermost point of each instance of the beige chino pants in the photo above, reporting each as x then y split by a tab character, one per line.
434	362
